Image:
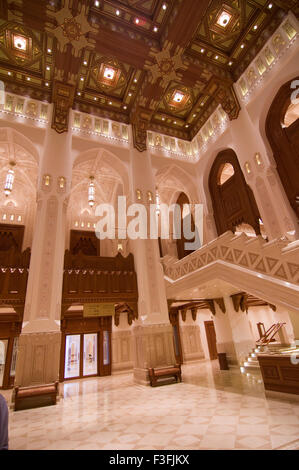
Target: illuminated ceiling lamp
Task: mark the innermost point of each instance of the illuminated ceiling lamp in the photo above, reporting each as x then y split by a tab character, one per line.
9	179
91	192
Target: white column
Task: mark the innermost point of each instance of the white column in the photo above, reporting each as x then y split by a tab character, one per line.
39	346
275	210
153	337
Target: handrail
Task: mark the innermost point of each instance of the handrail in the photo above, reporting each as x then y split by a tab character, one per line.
270	333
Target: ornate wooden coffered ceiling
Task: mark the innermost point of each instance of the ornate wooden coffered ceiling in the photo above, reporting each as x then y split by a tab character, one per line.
162	65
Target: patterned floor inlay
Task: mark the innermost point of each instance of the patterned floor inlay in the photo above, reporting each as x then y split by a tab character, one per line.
211	409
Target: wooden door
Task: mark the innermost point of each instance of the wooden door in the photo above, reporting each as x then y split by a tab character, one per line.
211	338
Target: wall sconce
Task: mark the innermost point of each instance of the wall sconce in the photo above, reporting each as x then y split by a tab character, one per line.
138	194
47	182
61	184
258	159
248	168
150	196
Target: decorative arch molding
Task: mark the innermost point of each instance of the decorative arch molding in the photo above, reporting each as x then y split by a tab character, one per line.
233	202
109	159
285	143
12	137
181	182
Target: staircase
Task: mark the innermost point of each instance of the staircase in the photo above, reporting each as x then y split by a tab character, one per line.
251	363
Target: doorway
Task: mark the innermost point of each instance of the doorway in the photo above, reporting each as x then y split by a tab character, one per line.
8	357
86	353
211	339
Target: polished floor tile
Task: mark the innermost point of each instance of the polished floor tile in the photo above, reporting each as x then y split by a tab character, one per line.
210	409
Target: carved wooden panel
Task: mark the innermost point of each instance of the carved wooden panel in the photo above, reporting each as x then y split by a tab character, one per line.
279	373
11	236
233	201
285	144
85	242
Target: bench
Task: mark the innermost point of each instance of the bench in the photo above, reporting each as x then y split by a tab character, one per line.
165	372
36	396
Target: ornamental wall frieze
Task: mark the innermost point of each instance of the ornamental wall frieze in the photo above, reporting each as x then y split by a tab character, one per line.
276	260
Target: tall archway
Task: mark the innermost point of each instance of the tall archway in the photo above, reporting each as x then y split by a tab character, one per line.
233	200
184	204
282	130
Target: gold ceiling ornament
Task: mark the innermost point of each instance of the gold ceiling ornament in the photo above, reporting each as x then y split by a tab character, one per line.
71	29
166	66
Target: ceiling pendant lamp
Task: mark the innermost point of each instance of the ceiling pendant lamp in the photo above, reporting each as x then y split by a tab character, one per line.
91	192
158	210
9	179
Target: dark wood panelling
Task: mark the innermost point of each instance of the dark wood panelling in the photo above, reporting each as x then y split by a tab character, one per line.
211	339
285	143
233	201
279	374
84	242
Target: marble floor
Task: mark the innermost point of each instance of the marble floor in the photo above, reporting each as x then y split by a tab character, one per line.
211	409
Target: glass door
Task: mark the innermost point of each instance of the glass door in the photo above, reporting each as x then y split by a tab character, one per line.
105	352
3	352
90	355
72	356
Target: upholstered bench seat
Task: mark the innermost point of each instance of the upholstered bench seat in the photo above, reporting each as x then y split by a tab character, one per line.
33	397
165	372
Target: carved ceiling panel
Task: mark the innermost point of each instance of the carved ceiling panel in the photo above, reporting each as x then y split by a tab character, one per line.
162	65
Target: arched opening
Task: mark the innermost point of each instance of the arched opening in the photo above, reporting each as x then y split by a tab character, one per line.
282	130
171	182
233	200
98	275
185	213
18	191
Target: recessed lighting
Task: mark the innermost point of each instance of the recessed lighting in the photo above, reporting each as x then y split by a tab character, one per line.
230	63
242	46
194	115
95	98
109	73
130	94
217	57
163	118
255	27
96	3
174	122
270	6
79	94
82	79
117	12
202	104
49	51
224	19
125	107
178	97
48	68
47	84
164	6
9	73
187	125
155	29
135	80
85	62
110	102
137	20
28	78
202	51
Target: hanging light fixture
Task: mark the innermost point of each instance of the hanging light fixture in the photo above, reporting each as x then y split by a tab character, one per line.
91	192
157	203
9	179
